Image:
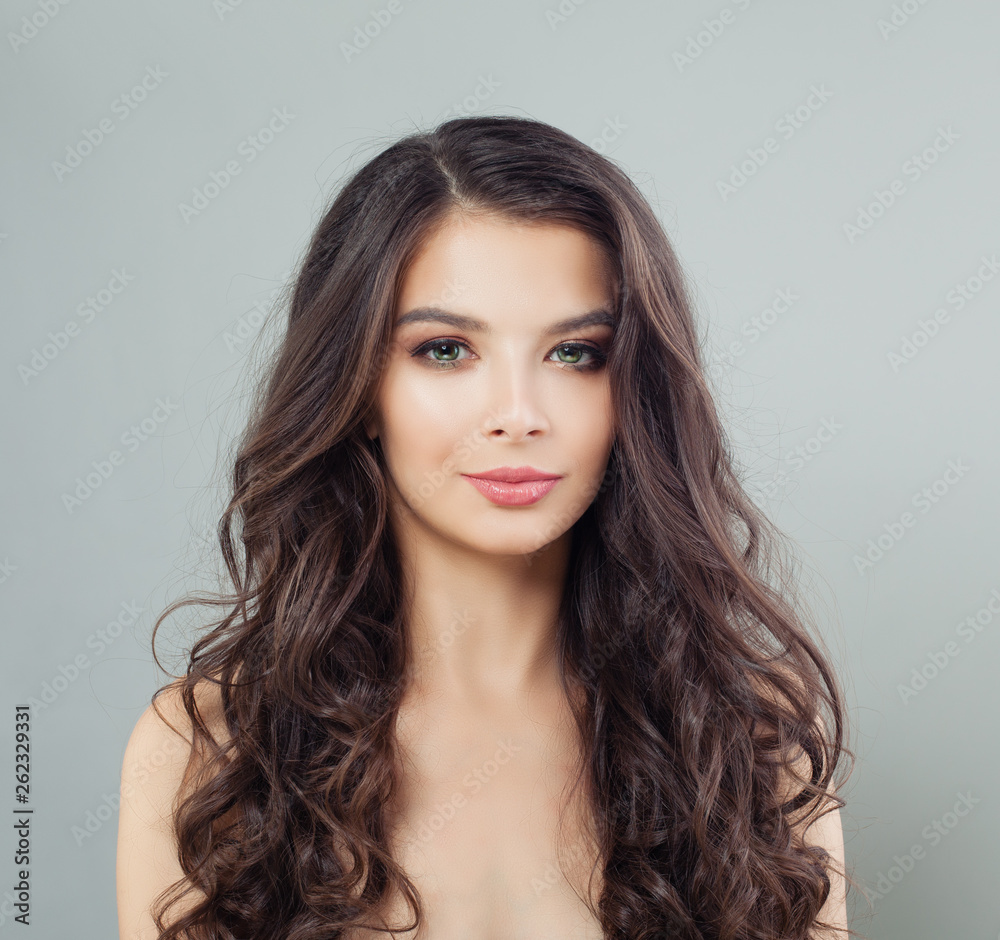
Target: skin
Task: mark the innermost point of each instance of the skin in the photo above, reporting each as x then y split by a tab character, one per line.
484	718
482	581
487	742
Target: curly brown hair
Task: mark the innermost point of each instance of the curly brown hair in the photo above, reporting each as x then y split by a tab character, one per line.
711	720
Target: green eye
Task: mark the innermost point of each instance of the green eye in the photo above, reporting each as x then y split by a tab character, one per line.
576	351
447	354
441	346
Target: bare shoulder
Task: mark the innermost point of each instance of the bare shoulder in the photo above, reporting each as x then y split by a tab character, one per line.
167	713
818	824
159	750
157	761
799	763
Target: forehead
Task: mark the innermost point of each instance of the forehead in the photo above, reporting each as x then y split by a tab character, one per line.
488	265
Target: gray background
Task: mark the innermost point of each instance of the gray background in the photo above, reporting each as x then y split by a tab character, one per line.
609	74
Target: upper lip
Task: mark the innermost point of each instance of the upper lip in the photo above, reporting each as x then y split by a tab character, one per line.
514	474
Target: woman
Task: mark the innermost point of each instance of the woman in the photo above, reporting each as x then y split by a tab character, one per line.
502	659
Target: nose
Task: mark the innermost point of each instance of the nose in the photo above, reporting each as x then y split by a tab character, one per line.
516	409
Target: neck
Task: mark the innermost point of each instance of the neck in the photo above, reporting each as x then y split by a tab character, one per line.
481	628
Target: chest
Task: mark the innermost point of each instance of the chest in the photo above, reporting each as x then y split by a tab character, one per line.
490	830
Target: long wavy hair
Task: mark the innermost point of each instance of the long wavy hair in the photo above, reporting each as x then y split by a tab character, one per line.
710	719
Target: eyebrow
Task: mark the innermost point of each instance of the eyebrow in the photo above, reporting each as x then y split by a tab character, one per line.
599	317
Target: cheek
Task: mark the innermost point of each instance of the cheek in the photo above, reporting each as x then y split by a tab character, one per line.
585	423
420	423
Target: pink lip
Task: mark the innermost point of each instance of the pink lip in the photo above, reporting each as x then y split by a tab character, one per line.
514	474
513	486
512	494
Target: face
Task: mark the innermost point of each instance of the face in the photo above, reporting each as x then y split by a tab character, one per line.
486	372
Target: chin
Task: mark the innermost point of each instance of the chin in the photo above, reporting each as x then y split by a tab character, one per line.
529	537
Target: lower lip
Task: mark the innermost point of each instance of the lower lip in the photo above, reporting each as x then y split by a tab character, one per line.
512	494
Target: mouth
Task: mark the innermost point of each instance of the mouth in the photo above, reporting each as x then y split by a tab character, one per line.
513	486
514	475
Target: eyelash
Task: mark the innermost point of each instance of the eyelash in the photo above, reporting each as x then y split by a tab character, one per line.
599	357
